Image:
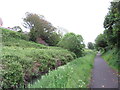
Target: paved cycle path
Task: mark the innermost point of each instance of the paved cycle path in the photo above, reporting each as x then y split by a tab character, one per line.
103	76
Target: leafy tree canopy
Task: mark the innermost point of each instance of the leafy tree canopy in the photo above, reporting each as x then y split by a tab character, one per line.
73	43
100	42
40	28
112	25
90	45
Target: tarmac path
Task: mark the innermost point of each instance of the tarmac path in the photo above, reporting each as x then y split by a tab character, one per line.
103	76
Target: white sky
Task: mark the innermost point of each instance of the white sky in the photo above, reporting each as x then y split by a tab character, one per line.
84	17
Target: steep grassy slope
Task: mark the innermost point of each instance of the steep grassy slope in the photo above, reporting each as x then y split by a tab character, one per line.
11	38
112	57
23	60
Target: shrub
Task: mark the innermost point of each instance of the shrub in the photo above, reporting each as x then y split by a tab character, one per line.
31	63
12	75
73	43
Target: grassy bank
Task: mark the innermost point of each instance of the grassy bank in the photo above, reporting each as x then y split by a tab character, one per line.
11	38
75	74
112	58
23	61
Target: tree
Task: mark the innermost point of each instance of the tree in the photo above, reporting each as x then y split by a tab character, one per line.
73	43
53	39
39	28
112	25
90	45
100	42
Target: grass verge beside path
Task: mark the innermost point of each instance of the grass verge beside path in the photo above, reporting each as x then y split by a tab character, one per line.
111	57
75	74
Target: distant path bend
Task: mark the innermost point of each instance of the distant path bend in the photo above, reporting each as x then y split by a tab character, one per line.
103	76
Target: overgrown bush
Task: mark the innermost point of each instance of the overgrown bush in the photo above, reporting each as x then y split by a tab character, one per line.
12	75
73	43
21	65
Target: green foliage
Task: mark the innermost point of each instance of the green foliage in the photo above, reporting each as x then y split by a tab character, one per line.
75	74
6	34
109	41
112	57
112	25
111	36
12	75
22	60
31	62
21	43
100	42
73	43
11	38
41	28
90	45
88	51
53	39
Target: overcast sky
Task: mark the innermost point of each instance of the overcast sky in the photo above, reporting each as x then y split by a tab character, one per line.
84	17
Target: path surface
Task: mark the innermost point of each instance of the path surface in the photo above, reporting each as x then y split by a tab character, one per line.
103	76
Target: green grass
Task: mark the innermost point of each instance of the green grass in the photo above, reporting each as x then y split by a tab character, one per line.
16	39
6	33
112	59
88	51
75	74
22	59
11	38
28	59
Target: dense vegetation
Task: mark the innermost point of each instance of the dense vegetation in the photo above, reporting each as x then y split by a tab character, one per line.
112	25
63	61
23	61
109	41
75	74
110	37
111	57
27	64
101	42
11	38
90	45
73	43
41	28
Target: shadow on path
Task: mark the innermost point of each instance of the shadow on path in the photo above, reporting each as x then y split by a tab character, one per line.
103	76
